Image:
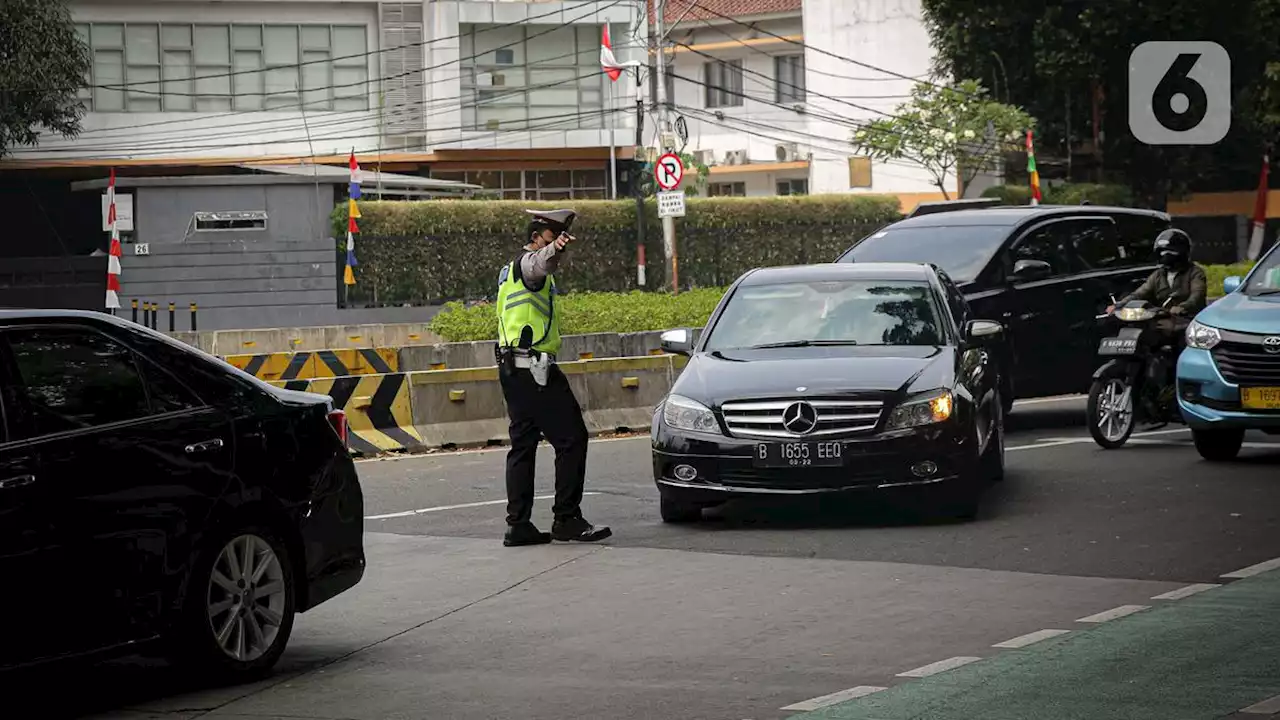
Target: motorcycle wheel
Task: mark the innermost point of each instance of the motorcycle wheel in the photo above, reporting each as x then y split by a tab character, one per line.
1111	410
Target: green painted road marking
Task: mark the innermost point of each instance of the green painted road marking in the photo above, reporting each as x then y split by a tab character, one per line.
1201	658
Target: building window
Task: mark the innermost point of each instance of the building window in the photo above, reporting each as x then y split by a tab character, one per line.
793	187
789	73
730	189
724	83
215	68
535	184
532	77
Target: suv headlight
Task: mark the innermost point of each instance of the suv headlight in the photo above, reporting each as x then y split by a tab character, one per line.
927	409
681	413
1202	337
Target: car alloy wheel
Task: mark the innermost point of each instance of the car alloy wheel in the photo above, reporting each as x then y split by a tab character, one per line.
246	598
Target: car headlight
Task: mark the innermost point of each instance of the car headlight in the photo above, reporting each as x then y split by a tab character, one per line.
681	413
1135	314
935	407
1202	337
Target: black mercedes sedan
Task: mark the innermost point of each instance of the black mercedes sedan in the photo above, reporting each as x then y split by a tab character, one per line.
830	378
152	497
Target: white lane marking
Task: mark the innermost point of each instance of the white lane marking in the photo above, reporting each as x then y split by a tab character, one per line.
1270	706
1254	445
939	667
1056	442
835	697
1113	613
1187	591
462	506
1252	570
1030	638
481	450
1055	399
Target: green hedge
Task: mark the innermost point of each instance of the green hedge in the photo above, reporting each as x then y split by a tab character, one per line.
1217	273
414	253
1064	194
593	312
589	312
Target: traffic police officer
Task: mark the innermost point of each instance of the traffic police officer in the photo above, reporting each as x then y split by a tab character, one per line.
540	402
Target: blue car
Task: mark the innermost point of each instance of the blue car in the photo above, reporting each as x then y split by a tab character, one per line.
1229	374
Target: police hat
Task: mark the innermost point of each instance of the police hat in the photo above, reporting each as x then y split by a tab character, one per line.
557	221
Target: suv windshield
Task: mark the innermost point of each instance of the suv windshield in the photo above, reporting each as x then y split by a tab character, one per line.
844	312
1265	280
961	250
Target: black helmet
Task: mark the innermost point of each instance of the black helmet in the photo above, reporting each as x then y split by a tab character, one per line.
1173	246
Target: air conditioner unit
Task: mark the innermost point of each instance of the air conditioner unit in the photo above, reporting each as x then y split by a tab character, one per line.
788	152
705	157
735	157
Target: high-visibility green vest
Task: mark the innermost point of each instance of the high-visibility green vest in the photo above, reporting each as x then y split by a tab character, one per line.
519	306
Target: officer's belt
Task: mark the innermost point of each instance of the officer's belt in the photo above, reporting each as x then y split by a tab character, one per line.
523	359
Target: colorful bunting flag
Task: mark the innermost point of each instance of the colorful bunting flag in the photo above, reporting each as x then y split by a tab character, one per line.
115	252
353	212
1031	170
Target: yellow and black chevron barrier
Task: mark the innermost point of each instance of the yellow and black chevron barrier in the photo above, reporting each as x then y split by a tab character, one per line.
379	415
318	363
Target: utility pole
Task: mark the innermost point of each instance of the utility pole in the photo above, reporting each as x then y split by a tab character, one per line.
665	143
637	185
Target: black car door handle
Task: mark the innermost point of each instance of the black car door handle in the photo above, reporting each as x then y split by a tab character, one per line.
17	482
1072	291
205	446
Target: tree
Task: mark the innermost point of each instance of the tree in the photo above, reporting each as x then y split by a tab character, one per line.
946	130
1055	58
43	64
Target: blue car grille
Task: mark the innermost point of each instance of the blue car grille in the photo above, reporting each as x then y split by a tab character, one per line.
1247	364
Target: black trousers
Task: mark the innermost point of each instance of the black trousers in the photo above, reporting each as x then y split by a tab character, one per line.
537	412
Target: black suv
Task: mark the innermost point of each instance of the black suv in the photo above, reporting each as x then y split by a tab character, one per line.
1043	271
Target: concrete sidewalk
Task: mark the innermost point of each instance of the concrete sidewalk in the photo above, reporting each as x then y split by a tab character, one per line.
1209	655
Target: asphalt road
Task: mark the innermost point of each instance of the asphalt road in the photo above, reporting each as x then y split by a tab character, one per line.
757	609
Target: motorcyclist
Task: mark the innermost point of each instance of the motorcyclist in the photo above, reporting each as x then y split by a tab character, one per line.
1178	281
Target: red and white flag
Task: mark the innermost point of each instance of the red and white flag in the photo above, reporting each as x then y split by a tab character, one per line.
114	254
1259	213
607	59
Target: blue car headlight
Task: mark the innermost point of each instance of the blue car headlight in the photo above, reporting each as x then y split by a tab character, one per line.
681	413
1202	337
926	409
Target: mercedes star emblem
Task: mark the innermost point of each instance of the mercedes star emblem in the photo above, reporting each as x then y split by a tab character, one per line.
1271	344
800	418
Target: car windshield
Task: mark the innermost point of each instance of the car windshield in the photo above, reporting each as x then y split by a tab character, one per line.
1266	279
960	250
844	312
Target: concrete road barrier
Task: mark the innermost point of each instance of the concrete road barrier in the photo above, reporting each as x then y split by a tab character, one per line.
275	340
479	354
308	365
465	407
378	408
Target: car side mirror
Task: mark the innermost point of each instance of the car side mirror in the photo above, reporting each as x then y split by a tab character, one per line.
677	342
983	331
1231	284
1026	270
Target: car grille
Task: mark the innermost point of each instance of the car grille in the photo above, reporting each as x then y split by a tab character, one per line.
806	479
836	417
1244	363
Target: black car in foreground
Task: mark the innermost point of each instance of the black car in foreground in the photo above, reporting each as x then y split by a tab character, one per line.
829	378
1044	272
154	497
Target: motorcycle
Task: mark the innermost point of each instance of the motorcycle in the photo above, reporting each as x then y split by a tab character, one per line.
1136	384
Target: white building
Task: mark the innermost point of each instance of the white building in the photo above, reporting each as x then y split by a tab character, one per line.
508	92
771	96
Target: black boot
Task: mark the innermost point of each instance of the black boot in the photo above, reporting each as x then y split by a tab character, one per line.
525	534
577	529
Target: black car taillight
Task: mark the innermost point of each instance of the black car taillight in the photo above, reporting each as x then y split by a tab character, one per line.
338	419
